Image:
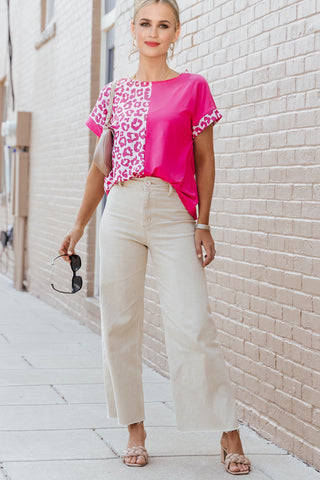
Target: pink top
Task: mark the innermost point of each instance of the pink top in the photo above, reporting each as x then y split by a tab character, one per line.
154	125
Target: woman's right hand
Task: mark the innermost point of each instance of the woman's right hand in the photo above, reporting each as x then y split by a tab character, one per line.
92	195
70	241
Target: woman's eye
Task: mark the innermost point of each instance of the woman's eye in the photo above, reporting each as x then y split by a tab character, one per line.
146	24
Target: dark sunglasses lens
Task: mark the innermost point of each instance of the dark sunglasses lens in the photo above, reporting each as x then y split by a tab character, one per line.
75	262
77	284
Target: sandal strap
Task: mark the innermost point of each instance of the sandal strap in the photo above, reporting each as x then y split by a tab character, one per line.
135	452
236	458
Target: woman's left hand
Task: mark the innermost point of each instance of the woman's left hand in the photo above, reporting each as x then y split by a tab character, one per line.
204	238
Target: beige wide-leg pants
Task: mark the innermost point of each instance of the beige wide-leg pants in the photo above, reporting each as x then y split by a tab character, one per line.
141	214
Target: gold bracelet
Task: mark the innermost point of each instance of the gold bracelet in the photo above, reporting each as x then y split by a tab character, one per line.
202	226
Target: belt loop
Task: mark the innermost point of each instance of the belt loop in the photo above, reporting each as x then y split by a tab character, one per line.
170	189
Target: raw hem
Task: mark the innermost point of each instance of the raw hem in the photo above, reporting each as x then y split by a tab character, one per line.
228	429
125	424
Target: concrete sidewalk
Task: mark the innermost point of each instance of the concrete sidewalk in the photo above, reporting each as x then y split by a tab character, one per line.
53	422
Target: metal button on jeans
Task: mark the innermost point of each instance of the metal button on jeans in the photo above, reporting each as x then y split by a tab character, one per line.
148	183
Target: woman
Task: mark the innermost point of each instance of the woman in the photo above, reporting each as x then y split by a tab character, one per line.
163	166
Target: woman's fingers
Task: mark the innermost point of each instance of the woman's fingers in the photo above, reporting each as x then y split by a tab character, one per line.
69	243
72	245
197	241
63	250
203	239
210	253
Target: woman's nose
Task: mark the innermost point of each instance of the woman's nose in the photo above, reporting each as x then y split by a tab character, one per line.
153	31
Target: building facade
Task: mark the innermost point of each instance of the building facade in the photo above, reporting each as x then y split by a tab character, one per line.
261	59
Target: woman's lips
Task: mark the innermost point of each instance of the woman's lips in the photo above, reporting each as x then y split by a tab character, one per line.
152	44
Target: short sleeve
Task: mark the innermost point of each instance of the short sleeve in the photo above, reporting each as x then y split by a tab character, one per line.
205	110
97	117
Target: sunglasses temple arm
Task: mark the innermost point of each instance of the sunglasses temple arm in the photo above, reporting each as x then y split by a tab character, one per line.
60	291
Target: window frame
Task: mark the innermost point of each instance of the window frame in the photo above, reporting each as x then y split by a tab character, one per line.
45	21
104	7
108	20
47	25
50	4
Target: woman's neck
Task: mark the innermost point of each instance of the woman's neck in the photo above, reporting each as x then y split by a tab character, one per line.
153	70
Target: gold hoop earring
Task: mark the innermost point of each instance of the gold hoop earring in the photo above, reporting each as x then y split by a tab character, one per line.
133	49
171	48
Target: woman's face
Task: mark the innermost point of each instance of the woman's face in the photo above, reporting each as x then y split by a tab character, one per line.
155	29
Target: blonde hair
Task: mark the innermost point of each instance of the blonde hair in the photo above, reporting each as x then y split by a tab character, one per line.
138	4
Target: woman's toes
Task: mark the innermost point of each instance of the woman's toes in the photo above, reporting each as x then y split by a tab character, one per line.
242	467
141	460
137	459
234	467
131	459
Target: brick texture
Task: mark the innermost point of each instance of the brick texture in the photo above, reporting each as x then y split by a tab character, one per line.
262	63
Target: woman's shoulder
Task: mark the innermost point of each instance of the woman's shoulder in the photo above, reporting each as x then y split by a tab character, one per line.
195	78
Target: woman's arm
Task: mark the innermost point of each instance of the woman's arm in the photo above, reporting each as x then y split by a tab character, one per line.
92	196
205	177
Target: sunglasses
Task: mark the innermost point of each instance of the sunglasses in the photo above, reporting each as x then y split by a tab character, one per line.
75	264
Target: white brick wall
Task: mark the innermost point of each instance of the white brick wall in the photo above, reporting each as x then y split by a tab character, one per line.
57	83
262	62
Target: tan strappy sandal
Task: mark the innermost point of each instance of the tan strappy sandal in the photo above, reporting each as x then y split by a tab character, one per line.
228	458
135	452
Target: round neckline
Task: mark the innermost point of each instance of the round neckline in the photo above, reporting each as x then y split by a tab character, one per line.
156	81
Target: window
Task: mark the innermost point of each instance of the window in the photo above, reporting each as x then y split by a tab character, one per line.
109	5
106	69
49	11
47	23
109	55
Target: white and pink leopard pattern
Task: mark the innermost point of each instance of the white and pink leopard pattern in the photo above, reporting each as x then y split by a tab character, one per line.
205	121
128	122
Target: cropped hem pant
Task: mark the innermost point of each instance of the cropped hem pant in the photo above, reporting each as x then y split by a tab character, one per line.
144	214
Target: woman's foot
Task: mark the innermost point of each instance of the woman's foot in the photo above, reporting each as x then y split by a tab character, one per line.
137	436
232	443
